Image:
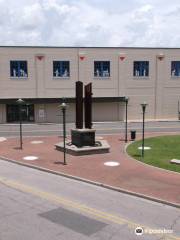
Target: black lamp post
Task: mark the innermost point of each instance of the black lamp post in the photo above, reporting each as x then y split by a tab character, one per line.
126	102
143	105
63	108
20	102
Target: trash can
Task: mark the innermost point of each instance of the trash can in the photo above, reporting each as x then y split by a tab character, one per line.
133	135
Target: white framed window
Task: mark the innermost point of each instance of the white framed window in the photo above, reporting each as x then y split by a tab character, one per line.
141	69
61	69
101	68
18	69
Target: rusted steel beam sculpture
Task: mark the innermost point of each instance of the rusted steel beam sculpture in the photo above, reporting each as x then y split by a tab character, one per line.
88	106
79	105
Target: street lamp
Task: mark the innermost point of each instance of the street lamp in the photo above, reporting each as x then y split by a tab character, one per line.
63	107
20	102
143	105
126	102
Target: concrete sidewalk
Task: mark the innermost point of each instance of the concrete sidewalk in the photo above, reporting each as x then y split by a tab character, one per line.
130	175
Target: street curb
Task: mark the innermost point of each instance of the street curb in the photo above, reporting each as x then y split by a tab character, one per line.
93	183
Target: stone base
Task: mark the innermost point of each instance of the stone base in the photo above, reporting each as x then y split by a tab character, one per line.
101	146
83	137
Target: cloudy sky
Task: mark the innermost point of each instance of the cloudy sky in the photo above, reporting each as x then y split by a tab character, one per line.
151	23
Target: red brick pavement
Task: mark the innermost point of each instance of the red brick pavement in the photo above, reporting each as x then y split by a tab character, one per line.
130	174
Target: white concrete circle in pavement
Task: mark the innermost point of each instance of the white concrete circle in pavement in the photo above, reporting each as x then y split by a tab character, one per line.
30	158
145	148
2	139
36	142
111	164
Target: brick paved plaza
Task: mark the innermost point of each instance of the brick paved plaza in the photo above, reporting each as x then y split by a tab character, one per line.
130	174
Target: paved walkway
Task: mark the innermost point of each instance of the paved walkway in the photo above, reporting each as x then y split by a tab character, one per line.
130	175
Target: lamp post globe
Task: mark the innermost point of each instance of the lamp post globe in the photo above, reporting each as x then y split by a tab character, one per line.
143	105
20	101
63	106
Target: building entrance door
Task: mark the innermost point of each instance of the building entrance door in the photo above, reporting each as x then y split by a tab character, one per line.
27	112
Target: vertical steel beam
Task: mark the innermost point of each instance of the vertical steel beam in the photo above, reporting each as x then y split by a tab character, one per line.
88	106
79	105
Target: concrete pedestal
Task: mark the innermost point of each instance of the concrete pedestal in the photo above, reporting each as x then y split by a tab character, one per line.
83	137
101	146
83	143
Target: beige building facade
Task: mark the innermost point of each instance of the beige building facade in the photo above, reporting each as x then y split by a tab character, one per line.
42	76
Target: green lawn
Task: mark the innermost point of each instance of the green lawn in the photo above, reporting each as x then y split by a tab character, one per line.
163	149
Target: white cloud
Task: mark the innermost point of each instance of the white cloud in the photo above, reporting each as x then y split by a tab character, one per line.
31	17
90	22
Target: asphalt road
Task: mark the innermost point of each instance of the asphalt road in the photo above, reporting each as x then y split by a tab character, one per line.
10	130
42	206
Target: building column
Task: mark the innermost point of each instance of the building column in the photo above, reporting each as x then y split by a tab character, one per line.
2	113
121	88
158	87
40	77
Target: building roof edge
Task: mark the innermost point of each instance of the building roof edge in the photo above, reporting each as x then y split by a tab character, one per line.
83	47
